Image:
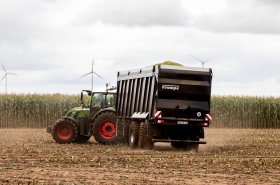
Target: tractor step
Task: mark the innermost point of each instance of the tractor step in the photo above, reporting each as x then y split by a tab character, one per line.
49	129
179	141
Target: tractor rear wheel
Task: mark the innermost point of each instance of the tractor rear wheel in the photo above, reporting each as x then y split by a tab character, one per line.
65	131
133	134
104	130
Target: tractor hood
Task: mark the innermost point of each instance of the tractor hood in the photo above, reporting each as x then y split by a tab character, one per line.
78	112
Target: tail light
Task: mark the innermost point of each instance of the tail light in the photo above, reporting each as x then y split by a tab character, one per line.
204	124
160	121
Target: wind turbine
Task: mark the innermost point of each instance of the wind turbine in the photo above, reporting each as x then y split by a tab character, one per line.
6	78
92	72
202	61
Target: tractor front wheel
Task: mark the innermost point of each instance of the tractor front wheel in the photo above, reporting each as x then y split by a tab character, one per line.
65	131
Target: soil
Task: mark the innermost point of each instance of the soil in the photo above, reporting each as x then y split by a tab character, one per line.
231	156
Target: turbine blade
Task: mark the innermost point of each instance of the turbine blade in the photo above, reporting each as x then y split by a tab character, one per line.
11	73
209	59
98	75
196	58
93	73
3	77
4	68
86	74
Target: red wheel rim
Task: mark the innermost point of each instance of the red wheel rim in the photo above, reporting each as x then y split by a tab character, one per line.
107	129
64	132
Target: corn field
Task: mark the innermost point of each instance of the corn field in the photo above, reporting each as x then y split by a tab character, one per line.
245	112
33	111
38	111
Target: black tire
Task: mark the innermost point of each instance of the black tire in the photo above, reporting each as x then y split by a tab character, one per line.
133	134
104	130
82	139
122	129
65	131
144	141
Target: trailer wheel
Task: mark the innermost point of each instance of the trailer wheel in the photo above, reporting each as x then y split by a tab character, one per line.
133	134
144	141
65	131
104	131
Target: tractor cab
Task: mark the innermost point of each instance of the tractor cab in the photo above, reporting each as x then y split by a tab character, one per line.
102	100
97	101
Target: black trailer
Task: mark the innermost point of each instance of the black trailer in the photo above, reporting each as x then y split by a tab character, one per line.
164	104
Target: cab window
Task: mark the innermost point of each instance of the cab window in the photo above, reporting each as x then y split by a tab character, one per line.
111	100
98	100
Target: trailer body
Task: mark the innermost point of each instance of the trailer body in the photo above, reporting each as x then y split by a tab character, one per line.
172	103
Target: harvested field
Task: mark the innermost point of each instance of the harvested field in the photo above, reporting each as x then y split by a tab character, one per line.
232	156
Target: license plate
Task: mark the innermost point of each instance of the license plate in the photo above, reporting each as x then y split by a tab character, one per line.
183	122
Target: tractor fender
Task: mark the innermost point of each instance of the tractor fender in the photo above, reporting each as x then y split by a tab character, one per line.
109	109
67	117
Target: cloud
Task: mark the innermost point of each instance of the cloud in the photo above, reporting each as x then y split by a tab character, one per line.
137	13
51	43
267	2
243	17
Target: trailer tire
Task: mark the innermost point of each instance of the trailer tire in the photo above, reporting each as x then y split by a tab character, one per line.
104	130
65	131
144	141
133	134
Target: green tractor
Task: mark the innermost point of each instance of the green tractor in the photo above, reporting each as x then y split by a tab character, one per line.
98	119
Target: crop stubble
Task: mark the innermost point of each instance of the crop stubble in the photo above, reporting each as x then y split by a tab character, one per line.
240	156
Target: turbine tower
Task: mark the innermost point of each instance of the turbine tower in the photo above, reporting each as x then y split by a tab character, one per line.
202	61
6	78
92	72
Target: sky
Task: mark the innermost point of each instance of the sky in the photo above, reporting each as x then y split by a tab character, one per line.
50	44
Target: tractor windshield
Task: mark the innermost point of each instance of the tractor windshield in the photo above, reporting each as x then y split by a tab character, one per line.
98	100
103	100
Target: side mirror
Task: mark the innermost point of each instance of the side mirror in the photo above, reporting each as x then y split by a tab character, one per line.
82	99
